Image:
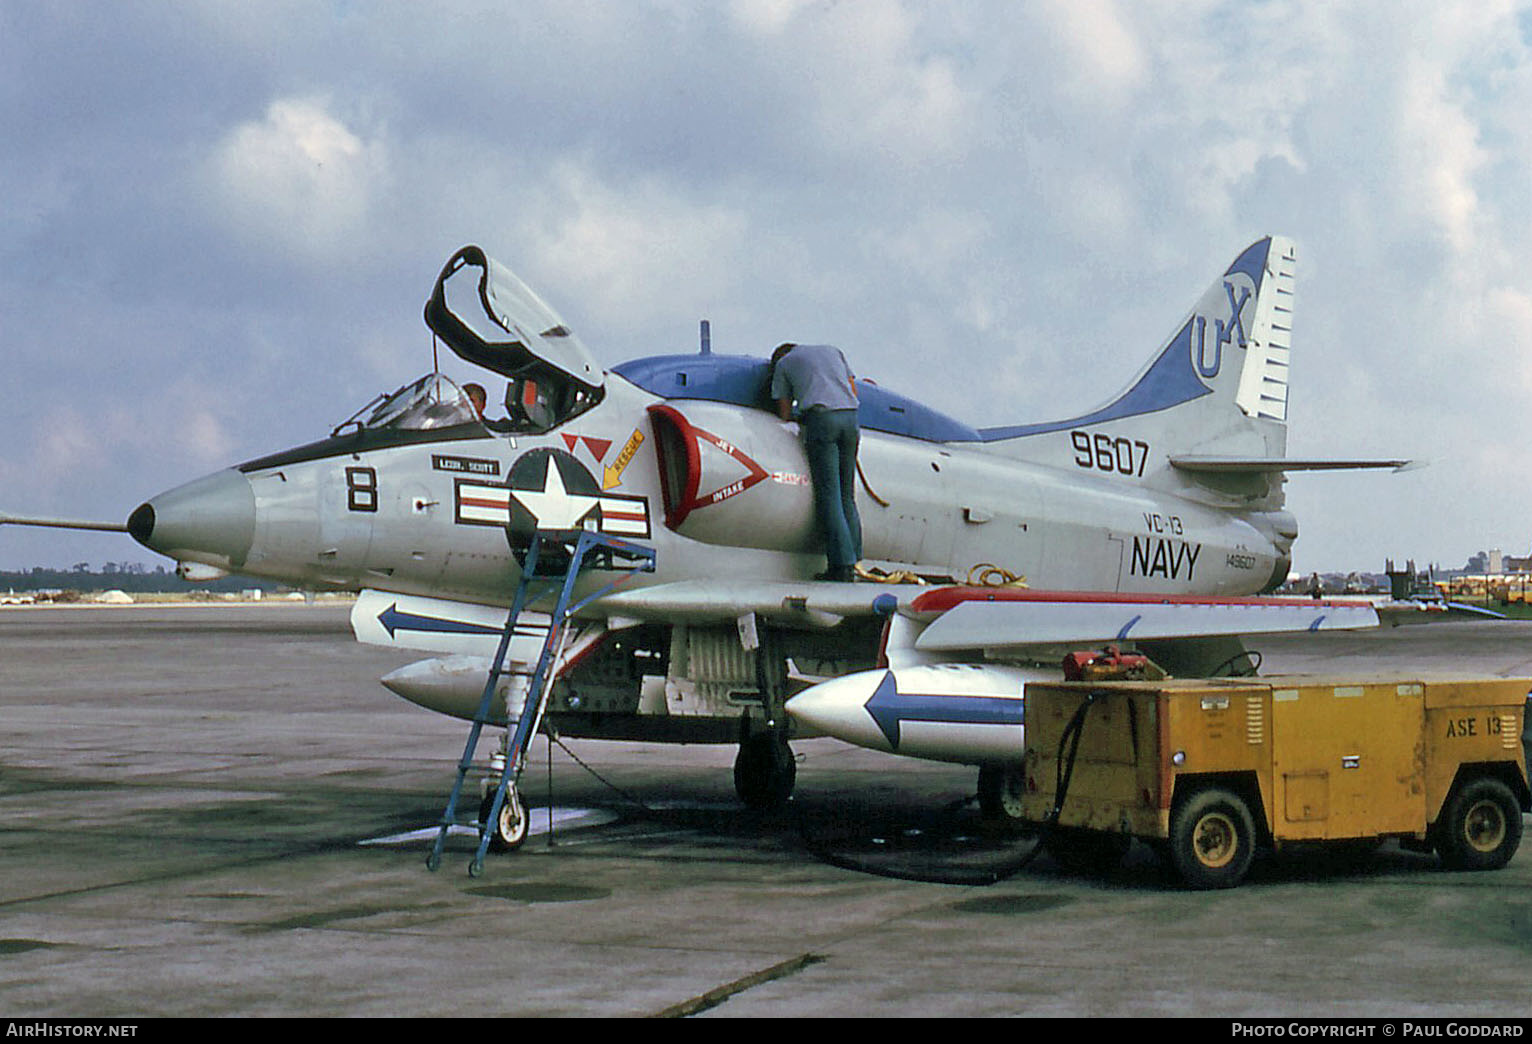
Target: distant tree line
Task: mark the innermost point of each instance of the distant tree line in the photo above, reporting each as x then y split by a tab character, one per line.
133	577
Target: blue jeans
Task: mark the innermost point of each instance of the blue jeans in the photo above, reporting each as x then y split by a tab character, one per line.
830	440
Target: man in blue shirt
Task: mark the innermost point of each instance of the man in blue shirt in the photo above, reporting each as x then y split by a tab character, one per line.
817	378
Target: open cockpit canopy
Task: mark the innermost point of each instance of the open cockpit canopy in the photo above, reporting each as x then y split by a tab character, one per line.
490	318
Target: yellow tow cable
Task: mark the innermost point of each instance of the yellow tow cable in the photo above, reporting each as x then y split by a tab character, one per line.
991	575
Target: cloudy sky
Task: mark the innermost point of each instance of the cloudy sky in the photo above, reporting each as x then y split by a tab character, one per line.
219	221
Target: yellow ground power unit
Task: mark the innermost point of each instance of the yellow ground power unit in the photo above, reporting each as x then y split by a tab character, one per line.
1208	770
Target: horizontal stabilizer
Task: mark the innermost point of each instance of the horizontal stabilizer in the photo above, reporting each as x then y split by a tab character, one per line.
1251	465
1019	619
1413	611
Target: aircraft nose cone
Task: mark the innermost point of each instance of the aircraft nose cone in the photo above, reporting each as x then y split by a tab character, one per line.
210	520
141	523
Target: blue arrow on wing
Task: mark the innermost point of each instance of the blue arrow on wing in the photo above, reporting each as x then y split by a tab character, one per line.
393	619
888	707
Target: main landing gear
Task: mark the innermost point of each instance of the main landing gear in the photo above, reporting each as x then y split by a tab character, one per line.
764	771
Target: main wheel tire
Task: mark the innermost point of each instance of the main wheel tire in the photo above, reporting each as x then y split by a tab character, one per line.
1001	788
1480	827
765	772
1212	839
1087	851
509	829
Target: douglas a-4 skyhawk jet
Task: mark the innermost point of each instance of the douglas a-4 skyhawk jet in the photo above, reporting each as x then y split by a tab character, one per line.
1146	522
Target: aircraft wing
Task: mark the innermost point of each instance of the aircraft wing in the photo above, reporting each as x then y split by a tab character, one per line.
798	603
996	620
463	628
990	618
930	622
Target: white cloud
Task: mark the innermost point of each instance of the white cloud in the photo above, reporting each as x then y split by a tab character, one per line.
69	445
74	450
299	178
631	254
864	79
767	17
935	244
1438	155
1099	54
1508	328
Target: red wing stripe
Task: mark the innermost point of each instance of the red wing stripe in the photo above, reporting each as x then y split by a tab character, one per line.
943	598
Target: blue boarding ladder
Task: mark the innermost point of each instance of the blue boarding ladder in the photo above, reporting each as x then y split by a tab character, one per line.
591	549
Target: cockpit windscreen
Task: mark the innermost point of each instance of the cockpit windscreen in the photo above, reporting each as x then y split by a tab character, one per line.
433	401
532	406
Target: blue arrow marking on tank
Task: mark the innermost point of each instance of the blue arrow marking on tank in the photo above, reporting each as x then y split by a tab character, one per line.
888	707
393	620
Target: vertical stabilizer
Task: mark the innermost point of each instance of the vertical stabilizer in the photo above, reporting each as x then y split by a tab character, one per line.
1219	384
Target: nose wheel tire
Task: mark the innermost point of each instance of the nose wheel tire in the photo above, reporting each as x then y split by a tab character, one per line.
1480	827
1212	839
509	829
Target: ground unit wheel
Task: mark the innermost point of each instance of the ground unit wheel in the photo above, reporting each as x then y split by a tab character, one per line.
1212	839
1480	827
1001	788
509	829
764	772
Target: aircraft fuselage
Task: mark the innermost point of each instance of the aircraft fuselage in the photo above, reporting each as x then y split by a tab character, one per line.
426	512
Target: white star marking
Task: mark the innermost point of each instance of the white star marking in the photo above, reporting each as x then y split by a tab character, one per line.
555	507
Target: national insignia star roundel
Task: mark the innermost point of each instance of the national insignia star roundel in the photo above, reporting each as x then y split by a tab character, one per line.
550	491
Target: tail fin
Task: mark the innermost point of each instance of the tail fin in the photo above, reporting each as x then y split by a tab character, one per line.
1217	386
